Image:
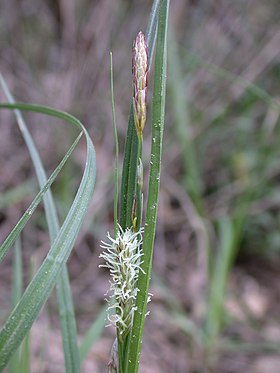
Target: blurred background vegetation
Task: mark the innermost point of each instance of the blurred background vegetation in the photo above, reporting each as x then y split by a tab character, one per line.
216	266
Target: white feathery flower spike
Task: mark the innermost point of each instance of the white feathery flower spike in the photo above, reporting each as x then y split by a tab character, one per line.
122	257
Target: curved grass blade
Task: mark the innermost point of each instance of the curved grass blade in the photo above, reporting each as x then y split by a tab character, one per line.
24	314
65	302
156	151
14	234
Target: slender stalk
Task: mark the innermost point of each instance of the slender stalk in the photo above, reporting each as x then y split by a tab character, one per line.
158	110
139	186
116	148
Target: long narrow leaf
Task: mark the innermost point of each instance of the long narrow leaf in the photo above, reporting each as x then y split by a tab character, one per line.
25	354
13	235
25	346
218	286
66	308
14	363
156	151
24	314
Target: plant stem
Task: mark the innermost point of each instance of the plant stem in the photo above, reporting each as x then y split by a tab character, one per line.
158	110
116	147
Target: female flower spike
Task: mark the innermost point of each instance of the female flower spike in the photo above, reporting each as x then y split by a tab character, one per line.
140	81
122	257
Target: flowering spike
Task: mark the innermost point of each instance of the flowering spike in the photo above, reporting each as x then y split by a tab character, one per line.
122	257
140	81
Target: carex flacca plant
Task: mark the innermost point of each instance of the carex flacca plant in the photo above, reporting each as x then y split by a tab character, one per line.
128	254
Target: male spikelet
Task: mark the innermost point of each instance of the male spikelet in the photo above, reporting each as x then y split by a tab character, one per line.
140	81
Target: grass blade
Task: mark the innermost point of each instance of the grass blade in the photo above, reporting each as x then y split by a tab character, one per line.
24	314
230	233
218	285
17	285
68	322
14	364
156	151
25	346
25	355
14	234
66	308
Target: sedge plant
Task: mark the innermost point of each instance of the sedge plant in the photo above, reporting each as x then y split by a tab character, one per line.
128	254
131	242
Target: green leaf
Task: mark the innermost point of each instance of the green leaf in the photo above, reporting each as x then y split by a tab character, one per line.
24	314
66	308
230	231
14	363
25	345
218	284
158	111
14	234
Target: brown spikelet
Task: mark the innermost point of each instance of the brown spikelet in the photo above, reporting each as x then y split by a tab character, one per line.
139	74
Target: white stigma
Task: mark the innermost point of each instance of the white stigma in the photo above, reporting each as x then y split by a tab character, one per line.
122	257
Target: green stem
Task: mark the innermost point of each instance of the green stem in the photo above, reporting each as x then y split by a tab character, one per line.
128	183
116	147
151	215
139	185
